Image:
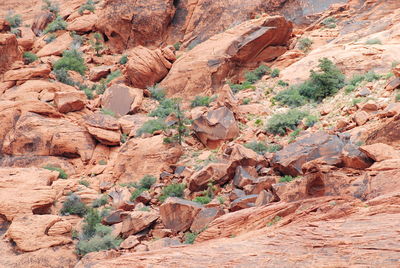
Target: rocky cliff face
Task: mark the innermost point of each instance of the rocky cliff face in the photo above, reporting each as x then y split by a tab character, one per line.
266	133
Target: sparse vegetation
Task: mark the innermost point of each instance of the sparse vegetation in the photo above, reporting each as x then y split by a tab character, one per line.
98	43
275	73
157	93
71	60
51	6
56	25
151	126
261	148
124	137
15	20
73	206
177	46
280	123
50	38
123	60
172	190
257	74
136	193
311	120
202	101
293	136
147	181
246	101
107	112
274	220
100	201
239	87
320	85
202	200
89	5
29	57
373	41
397	97
190	237
84	183
61	173
329	22
286	178
283	83
305	44
166	107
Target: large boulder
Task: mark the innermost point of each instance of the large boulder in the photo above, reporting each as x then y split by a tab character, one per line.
8	51
83	23
33	232
215	172
69	101
39	71
26	191
146	67
48	136
40	22
329	149
158	156
387	133
200	71
216	127
104	128
137	221
128	24
57	47
178	214
122	99
380	152
204	217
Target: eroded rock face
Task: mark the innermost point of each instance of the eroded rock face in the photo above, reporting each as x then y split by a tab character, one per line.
25	191
146	67
33	232
329	149
8	51
387	133
83	23
200	71
48	136
178	214
128	24
157	154
40	22
215	127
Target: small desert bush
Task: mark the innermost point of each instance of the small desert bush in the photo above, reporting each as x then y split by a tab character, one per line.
202	199
71	60
58	24
329	22
157	93
286	178
14	20
172	190
275	73
74	206
123	60
202	101
262	148
190	237
50	6
165	108
280	123
147	181
373	41
61	173
100	201
89	5
50	38
29	57
305	44
151	126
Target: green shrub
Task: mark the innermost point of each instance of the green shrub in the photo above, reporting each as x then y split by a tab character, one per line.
274	220
279	123
151	126
177	46
349	88
147	181
324	83
124	137
293	136
14	20
98	242
84	183
73	206
329	22
123	60
71	60
275	73
56	25
16	32
290	97
100	201
202	199
258	147
311	120
305	44
286	178
102	162
239	87
374	41
88	92
173	190
136	193
107	112
273	148
190	237
29	57
92	219
61	173
157	93
89	5
221	200
50	6
397	97
166	107
246	101
63	77
257	74
283	83
202	101
50	38
371	76
98	43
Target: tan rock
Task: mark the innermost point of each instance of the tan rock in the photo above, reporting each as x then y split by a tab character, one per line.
96	73
41	20
178	214
25	191
384	165
243	202
127	24
361	118
146	67
137	221
387	132
121	198
380	152
130	242
163	243
9	51
104	128
215	172
215	127
204	217
27	38
69	101
264	198
32	232
83	23
157	154
122	99
40	71
57	47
